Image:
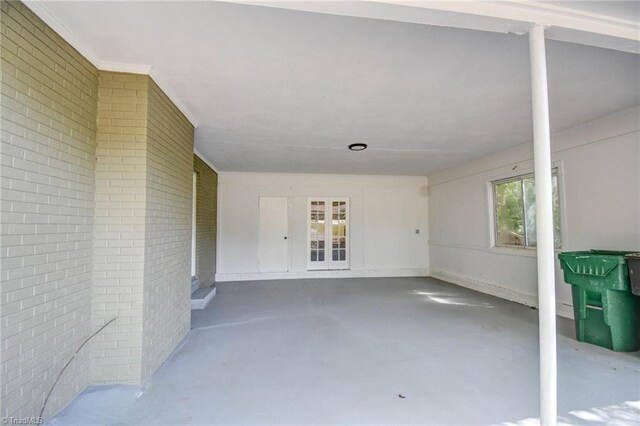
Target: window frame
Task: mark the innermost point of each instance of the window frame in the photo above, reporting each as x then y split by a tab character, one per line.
493	225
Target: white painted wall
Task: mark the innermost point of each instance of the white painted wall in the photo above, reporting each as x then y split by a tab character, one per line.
385	212
599	170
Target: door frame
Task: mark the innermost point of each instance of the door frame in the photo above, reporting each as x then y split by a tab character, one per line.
287	236
194	229
329	263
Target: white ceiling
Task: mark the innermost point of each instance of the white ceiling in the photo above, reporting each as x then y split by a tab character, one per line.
278	90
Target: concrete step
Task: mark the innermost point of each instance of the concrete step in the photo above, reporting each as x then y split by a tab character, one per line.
201	297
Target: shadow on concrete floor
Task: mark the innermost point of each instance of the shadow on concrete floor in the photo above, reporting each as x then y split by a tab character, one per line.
344	351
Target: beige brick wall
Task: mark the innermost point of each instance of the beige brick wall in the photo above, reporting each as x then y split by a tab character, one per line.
142	228
119	240
167	274
95	220
48	145
206	221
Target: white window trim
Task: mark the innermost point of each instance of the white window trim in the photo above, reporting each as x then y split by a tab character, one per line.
558	168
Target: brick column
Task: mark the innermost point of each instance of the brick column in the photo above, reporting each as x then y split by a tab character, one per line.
118	268
142	241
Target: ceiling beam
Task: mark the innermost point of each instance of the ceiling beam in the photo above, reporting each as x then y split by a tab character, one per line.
507	16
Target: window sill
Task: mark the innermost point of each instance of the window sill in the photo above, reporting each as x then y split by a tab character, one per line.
518	251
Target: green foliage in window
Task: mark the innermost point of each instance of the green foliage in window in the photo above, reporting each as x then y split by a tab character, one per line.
515	212
509	214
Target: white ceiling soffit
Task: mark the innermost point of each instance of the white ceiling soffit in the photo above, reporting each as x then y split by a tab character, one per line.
569	24
280	90
610	25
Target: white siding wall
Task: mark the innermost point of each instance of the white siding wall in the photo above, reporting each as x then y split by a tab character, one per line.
600	199
385	212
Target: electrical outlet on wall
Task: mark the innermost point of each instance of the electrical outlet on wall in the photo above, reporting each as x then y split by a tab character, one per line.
417	231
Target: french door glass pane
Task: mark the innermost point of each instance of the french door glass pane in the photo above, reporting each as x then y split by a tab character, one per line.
339	230
317	231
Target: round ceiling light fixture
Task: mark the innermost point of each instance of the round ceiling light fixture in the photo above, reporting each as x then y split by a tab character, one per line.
358	146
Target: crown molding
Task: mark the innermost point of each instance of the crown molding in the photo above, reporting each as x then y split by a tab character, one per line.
207	162
177	101
157	78
124	67
41	11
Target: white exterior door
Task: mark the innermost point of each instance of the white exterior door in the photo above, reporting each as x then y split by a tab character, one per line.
328	233
274	234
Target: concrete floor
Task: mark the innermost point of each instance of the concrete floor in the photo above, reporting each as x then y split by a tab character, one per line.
366	351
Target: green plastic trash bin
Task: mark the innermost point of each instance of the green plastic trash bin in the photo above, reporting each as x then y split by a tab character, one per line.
633	263
606	312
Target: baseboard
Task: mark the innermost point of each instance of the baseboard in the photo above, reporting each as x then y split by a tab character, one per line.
364	273
562	310
565	311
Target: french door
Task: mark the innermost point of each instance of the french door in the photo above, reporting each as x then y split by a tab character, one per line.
328	233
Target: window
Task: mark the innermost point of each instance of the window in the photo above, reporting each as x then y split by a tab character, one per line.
514	204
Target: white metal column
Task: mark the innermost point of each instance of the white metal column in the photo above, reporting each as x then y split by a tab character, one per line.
544	227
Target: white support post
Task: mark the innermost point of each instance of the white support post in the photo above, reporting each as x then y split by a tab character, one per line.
544	228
